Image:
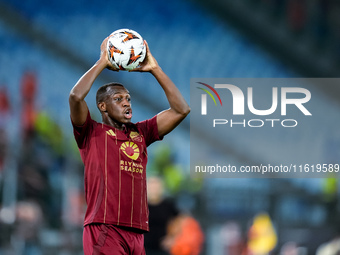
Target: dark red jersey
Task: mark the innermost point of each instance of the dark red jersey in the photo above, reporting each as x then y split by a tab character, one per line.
115	171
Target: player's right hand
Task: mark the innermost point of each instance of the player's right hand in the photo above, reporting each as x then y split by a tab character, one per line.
104	56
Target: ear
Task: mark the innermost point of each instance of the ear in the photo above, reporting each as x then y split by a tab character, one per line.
102	106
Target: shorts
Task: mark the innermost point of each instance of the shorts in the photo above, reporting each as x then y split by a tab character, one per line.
105	239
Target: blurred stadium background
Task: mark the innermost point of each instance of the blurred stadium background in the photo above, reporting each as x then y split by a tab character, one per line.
47	45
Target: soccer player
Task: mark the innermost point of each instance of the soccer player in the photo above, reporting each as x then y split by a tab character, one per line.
114	155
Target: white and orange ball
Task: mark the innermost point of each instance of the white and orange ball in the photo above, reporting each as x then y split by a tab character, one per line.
126	49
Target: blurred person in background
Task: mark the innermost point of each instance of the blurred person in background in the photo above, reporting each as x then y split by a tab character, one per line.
184	236
4	118
29	220
29	88
115	157
262	237
232	238
162	211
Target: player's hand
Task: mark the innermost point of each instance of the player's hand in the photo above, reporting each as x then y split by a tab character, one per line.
149	64
104	56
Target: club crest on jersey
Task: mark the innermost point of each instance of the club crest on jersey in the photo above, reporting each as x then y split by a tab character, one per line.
135	136
130	149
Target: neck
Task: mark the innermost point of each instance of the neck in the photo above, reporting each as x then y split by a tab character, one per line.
110	122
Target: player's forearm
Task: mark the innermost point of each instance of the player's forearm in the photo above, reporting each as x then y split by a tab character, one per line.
84	84
176	100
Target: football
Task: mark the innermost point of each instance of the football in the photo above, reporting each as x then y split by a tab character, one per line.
126	49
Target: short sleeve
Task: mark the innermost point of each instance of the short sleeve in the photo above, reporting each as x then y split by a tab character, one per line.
149	129
81	133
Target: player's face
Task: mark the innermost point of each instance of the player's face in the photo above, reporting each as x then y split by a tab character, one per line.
118	105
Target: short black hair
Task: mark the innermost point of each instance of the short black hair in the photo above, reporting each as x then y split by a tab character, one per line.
104	91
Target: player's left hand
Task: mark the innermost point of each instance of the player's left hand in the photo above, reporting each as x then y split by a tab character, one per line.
149	64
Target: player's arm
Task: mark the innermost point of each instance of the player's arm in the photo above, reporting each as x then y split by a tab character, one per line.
166	120
78	106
